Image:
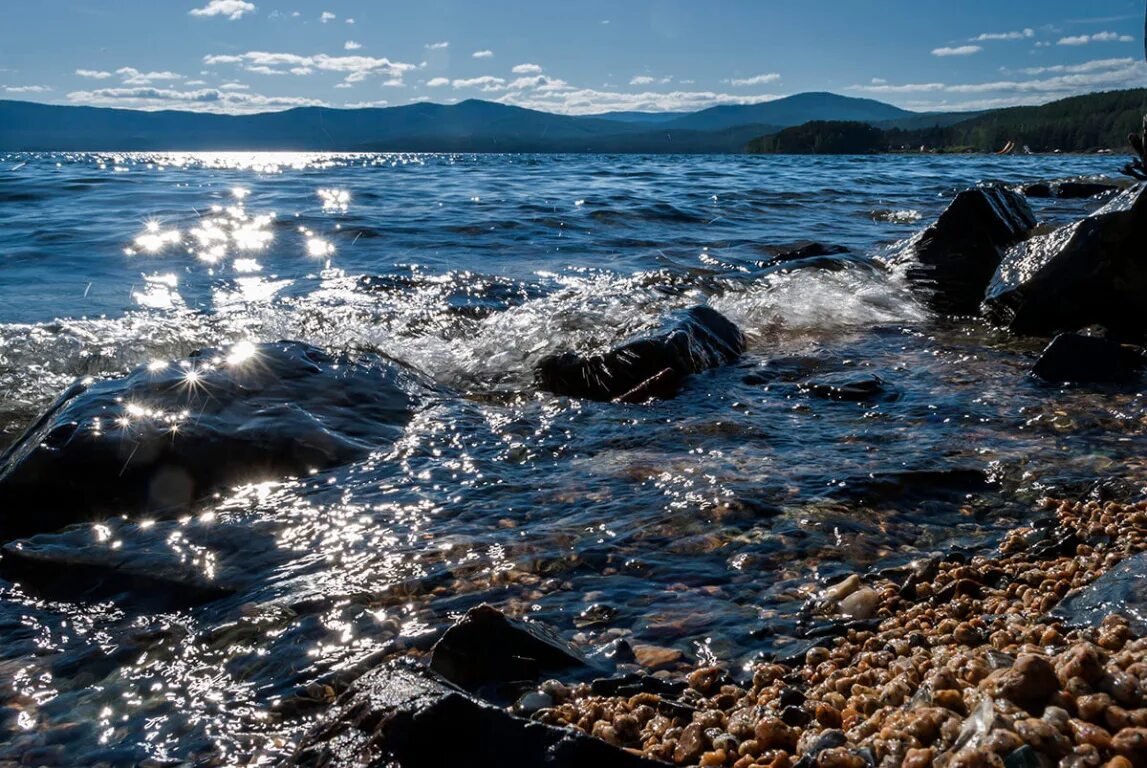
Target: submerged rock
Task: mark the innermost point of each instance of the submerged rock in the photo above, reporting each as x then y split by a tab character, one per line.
167	435
650	367
400	715
485	647
1091	272
851	387
954	259
1084	359
1070	189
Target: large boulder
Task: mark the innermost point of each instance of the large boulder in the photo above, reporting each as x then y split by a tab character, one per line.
1091	272
1072	357
169	434
954	260
654	366
403	716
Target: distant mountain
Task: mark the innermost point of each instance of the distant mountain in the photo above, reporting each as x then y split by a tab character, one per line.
792	110
482	126
641	117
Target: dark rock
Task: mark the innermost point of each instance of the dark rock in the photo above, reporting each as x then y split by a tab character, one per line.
955	258
852	388
915	485
650	367
167	435
485	648
828	739
1091	272
1121	590
402	716
1024	757
1076	358
1070	190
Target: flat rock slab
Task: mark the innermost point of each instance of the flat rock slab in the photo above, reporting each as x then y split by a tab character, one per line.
1071	189
1121	590
403	716
169	434
651	367
486	648
1090	272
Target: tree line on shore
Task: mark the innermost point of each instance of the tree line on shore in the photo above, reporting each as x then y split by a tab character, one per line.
1078	124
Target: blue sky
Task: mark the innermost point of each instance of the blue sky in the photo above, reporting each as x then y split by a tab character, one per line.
569	57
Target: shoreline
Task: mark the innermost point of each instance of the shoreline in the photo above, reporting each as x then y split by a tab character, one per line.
964	666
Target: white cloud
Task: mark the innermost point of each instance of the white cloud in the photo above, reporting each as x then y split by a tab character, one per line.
771	77
438	82
963	50
1026	33
232	9
366	104
482	54
1098	37
351	45
198	100
26	88
355	68
195	82
132	76
527	69
487	83
350	21
437	46
1065	80
94	74
327	16
641	80
234	87
878	81
1088	66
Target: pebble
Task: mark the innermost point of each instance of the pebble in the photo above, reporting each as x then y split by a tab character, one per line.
966	669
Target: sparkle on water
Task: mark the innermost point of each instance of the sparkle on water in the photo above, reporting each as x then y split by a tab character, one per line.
699	520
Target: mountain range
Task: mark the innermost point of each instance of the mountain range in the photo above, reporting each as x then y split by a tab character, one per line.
469	126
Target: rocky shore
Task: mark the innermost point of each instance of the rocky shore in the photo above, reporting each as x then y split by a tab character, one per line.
1032	656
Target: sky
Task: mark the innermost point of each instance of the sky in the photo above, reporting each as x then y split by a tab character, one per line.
583	57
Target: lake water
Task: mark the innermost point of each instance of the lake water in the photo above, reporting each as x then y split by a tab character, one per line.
689	524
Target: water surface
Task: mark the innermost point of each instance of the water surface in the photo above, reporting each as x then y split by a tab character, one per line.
694	522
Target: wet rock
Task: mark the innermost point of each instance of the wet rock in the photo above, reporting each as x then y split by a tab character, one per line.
916	485
1029	683
812	255
852	388
1121	590
402	716
167	435
1087	359
955	258
1070	189
486	648
651	367
1091	272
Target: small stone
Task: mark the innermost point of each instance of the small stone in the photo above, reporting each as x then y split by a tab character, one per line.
861	604
1131	743
838	592
654	656
1029	683
691	745
839	757
716	757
